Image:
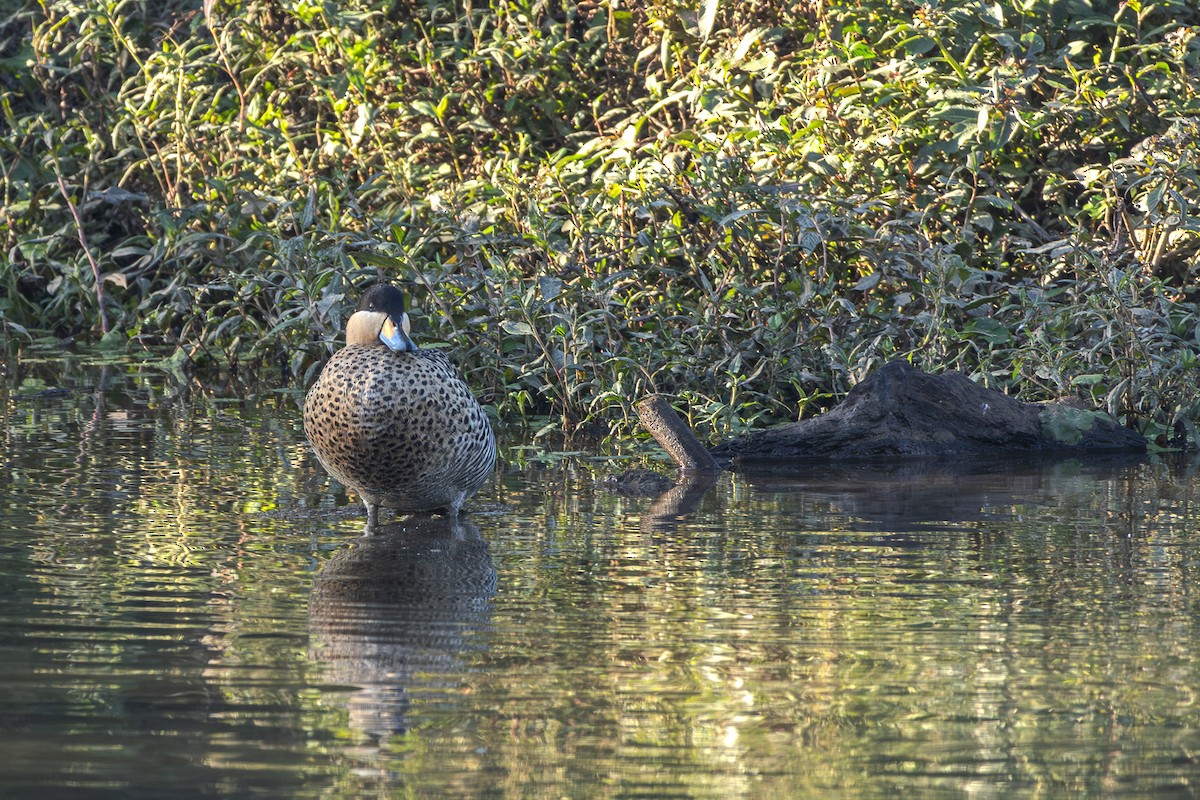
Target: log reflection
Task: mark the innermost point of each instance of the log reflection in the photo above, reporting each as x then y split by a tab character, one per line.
920	494
678	502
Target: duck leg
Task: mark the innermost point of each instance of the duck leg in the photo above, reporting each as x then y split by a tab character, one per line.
372	517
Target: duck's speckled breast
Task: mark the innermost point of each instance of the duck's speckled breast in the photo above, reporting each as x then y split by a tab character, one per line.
401	428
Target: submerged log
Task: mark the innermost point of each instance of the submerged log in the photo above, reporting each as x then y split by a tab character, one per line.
698	471
902	411
674	436
895	413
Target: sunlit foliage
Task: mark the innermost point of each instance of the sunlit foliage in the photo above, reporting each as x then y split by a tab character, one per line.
746	205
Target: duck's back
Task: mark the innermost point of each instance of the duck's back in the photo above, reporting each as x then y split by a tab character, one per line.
400	428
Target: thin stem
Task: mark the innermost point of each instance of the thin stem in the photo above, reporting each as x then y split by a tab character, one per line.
87	251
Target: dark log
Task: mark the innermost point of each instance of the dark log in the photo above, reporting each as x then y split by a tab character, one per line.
673	434
901	411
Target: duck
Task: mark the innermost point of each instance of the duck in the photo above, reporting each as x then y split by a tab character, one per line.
395	423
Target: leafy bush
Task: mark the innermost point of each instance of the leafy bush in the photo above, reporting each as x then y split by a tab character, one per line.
748	207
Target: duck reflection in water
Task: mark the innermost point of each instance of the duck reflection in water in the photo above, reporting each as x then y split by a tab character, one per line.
395	611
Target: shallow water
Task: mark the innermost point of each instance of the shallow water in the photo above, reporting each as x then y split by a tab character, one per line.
188	610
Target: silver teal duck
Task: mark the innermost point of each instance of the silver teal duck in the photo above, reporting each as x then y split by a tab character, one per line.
395	423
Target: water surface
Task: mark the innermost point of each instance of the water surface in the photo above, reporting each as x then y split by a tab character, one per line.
188	609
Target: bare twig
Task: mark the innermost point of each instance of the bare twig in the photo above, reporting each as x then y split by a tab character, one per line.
62	188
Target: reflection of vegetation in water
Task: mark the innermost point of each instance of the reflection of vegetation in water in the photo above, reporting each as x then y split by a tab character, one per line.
749	211
699	644
777	640
988	645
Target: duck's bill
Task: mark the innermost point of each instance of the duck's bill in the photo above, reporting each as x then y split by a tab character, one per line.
395	337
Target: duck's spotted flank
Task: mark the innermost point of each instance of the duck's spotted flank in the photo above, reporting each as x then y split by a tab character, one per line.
394	423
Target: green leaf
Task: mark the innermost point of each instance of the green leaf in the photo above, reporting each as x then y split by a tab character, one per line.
989	330
1155	196
550	287
310	203
517	328
1004	40
957	114
1003	133
1034	45
425	107
18	328
868	282
917	45
708	18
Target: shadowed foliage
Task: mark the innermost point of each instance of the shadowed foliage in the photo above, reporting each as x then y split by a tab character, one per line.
748	206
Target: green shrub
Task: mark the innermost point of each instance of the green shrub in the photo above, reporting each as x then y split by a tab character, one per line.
748	206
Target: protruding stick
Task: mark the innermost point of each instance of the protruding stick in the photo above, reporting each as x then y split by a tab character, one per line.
673	434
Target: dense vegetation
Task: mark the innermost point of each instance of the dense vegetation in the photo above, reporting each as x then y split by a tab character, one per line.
747	205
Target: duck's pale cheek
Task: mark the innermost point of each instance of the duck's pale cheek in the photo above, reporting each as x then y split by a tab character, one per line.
364	327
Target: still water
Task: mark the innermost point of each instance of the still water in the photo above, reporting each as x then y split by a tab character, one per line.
188	610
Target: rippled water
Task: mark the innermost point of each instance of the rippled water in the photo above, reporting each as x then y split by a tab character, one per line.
188	610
